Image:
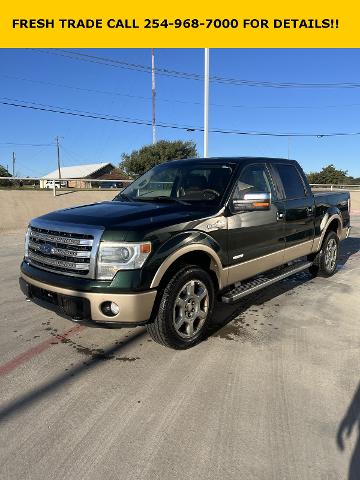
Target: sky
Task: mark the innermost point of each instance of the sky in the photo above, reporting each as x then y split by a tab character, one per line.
51	78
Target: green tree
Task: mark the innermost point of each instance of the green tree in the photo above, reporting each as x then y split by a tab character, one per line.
353	180
4	173
138	161
328	174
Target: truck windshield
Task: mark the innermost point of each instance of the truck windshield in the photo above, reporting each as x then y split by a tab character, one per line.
188	183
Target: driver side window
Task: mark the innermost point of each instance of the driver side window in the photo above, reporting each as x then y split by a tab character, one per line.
253	179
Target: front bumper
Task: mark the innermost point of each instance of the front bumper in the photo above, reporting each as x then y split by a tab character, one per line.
135	308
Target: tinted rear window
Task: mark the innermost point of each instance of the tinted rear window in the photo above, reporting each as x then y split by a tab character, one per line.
291	180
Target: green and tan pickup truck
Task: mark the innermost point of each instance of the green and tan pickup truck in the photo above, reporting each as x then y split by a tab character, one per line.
183	235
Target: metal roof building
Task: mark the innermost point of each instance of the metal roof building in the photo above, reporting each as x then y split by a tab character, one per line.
90	171
81	171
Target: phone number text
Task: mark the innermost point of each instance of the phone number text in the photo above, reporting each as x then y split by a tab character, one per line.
191	23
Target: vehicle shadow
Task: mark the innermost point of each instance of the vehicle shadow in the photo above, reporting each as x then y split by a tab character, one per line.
67	192
348	248
224	313
346	427
24	401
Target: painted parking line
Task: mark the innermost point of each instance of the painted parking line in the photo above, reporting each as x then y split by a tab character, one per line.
32	352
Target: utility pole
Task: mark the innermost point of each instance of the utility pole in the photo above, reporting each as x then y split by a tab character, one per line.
153	96
289	139
206	103
13	163
58	155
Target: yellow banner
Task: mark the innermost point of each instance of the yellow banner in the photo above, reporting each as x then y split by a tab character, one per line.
179	24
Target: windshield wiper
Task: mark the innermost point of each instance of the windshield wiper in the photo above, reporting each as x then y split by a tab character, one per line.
124	197
172	199
163	198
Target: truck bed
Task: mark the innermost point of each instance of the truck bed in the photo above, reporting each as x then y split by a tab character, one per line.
325	201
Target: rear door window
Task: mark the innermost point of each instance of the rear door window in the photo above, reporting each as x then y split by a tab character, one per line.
292	182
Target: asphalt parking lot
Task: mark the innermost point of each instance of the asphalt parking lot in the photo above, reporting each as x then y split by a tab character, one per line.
272	394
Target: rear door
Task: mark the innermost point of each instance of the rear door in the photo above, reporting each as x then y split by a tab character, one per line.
299	211
256	238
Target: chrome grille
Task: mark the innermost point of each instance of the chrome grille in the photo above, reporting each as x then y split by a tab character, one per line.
64	252
55	237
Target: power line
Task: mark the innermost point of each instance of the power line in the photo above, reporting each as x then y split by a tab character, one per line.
78	113
113	118
72	110
84	89
27	144
189	75
175	100
28	168
70	153
33	158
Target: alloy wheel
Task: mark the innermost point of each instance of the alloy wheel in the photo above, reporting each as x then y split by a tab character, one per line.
331	254
191	309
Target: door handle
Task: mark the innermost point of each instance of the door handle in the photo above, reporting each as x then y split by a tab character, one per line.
280	216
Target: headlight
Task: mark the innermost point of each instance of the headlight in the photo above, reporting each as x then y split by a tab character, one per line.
27	237
113	257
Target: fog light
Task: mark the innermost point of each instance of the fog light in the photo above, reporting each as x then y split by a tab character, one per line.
110	309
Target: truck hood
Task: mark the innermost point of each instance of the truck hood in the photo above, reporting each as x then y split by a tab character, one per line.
114	215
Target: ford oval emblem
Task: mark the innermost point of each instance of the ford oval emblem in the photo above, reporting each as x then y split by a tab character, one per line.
46	248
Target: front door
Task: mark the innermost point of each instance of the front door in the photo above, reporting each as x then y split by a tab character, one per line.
255	238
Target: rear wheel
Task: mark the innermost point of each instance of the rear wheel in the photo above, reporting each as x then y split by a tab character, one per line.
326	260
185	309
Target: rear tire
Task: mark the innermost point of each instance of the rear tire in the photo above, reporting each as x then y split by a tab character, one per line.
185	307
326	260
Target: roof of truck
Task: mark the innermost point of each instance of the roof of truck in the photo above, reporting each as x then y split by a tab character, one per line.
234	159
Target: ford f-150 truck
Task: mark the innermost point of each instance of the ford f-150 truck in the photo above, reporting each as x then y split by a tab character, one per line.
181	236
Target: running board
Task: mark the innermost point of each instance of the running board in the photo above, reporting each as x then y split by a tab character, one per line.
263	281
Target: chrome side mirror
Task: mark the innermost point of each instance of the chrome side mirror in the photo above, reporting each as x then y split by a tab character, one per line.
251	202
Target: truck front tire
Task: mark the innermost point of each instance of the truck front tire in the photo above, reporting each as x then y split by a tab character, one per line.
184	309
326	260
